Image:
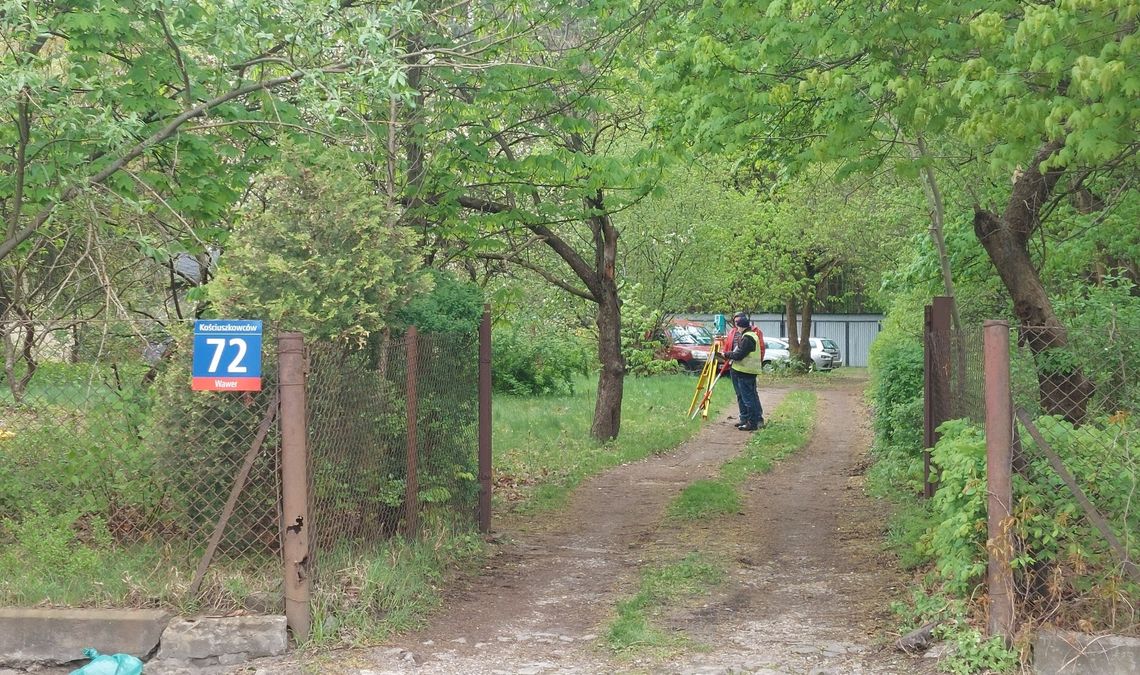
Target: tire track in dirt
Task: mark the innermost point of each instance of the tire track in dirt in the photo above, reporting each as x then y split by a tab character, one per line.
810	587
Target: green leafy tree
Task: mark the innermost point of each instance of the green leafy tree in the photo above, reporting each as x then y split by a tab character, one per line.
806	232
323	256
678	241
537	162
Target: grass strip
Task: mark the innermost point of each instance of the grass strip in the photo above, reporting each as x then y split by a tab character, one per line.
788	429
633	627
363	599
543	447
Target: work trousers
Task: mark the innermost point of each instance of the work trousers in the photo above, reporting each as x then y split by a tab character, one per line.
747	398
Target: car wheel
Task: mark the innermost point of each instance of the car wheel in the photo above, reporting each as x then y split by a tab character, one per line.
767	367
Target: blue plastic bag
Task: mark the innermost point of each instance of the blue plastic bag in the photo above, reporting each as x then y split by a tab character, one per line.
109	664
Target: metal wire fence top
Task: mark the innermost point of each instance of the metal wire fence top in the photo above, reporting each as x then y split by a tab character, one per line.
964	370
1077	375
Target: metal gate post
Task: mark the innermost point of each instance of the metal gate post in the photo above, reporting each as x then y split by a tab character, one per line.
295	521
411	483
999	441
485	421
936	368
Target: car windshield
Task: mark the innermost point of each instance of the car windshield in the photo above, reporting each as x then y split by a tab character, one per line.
830	344
691	335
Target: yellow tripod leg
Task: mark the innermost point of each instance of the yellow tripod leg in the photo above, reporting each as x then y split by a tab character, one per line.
708	397
702	384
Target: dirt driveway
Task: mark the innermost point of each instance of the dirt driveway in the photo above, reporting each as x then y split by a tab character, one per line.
807	590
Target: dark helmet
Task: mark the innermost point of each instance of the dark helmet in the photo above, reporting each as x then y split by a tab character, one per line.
741	320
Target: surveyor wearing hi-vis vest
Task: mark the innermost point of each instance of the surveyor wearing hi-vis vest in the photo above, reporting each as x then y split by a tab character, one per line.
746	351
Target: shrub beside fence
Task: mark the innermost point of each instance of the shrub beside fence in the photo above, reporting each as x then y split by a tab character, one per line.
114	474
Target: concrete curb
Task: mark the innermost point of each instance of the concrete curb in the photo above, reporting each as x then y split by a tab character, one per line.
1058	652
34	638
58	636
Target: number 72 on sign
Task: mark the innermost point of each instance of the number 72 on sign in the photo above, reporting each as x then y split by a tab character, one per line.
227	356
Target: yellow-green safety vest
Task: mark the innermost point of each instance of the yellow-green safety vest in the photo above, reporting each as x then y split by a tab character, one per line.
754	362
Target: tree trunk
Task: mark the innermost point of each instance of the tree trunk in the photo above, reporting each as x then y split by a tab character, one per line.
1062	388
797	336
611	377
793	327
805	331
19	349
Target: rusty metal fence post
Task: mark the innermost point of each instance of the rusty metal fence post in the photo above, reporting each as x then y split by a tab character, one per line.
485	421
295	521
412	488
999	442
936	381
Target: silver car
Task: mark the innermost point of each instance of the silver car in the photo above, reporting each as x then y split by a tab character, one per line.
775	353
826	346
824	353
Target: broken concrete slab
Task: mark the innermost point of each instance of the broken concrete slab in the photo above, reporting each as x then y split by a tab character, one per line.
45	636
1065	653
220	640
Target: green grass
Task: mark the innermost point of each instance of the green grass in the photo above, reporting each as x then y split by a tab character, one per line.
788	429
543	446
633	627
706	499
896	476
74	385
362	599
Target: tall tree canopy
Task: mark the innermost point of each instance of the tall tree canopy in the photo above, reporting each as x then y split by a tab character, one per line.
1044	94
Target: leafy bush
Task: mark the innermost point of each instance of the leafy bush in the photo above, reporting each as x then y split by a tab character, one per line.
957	541
322	255
639	345
56	543
1057	555
452	306
76	444
897	366
972	652
528	363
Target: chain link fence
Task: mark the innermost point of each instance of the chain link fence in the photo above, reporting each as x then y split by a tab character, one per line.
120	486
1076	396
393	449
966	375
1071	528
115	475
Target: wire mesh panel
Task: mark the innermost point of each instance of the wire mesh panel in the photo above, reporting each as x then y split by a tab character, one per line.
1080	463
110	457
967	377
360	402
954	377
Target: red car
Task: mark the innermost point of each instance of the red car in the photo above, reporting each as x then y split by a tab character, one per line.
686	342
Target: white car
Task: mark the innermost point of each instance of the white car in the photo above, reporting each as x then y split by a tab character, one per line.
775	353
826	346
824	353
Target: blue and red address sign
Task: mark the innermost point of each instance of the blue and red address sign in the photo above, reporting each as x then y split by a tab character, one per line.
227	356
